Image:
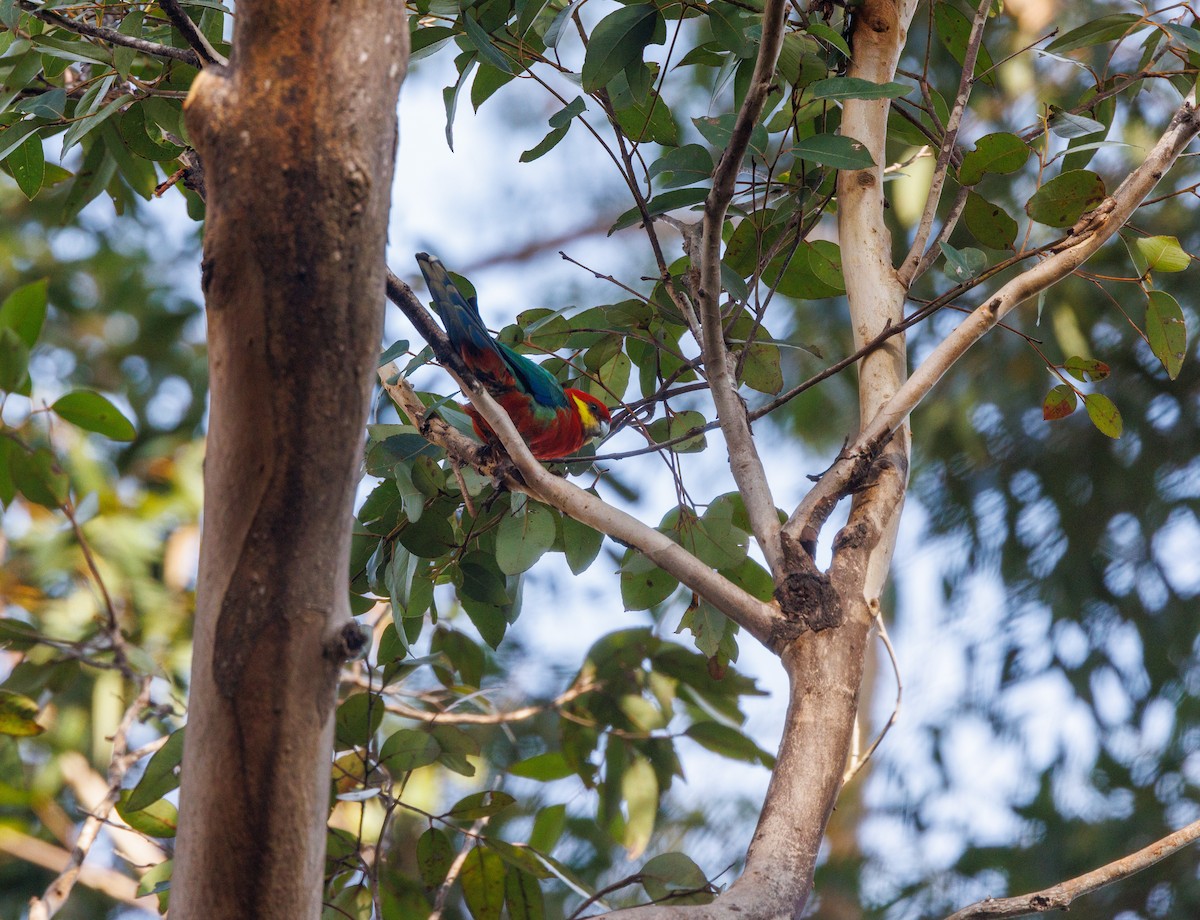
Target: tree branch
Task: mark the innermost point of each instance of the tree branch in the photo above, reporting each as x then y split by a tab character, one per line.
1060	896
1088	235
56	894
908	268
112	36
191	33
760	619
744	462
46	855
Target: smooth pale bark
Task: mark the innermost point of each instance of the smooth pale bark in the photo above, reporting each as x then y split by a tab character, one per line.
298	139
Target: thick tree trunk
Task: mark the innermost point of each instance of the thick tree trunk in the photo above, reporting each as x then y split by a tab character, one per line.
298	142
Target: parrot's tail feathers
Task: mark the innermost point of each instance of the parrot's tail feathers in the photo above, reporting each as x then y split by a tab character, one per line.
459	315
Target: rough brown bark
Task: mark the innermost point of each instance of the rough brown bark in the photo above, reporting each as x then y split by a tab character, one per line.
298	142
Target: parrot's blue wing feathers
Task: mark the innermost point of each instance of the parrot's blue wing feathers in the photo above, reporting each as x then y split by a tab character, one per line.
459	315
534	379
464	326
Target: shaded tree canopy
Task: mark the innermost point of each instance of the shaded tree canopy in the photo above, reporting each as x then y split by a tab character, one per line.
752	202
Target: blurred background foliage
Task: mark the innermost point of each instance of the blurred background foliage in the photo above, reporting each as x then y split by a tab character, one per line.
1045	608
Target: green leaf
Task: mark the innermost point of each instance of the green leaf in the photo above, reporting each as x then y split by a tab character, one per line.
489	619
667	875
89	103
1162	254
1166	331
830	36
37	476
17	715
131	25
483	44
954	31
1186	35
522	538
665	429
639	790
1086	370
989	223
1000	153
708	627
1094	32
1104	414
962	264
159	819
545	145
482	881
466	64
14	360
393	351
92	412
49	105
20	75
686	165
548	825
14	136
357	719
834	150
482	580
728	742
719	131
730	27
24	311
523	897
435	854
1065	198
619	39
544	768
1059	403
581	544
161	774
143	138
839	88
428	39
559	124
8	489
644	585
1065	124
408	749
554	31
28	165
480	805
660	204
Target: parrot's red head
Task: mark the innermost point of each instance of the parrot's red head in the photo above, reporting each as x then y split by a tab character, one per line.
593	414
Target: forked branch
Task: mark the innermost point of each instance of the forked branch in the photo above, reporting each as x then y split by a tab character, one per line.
744	462
758	618
1088	235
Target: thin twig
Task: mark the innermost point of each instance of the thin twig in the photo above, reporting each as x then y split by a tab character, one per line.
635	879
907	271
109	882
744	461
1060	896
446	717
191	33
56	894
456	867
931	254
861	761
112	36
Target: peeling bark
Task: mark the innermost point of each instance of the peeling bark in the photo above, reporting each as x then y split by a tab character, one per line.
298	140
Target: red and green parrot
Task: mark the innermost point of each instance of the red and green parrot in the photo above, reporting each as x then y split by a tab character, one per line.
554	422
